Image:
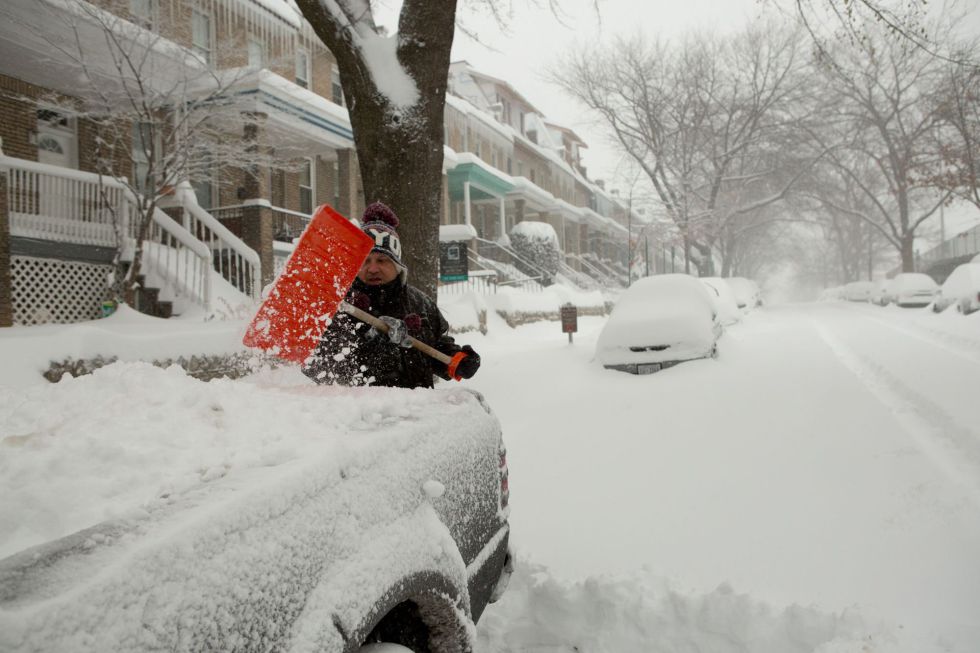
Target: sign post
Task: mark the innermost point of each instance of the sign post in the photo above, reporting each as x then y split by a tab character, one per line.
569	320
453	262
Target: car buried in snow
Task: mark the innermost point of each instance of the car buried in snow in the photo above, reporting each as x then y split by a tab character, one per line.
727	305
859	291
747	292
658	322
912	290
961	289
391	540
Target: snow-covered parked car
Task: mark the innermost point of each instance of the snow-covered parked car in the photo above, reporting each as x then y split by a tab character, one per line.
231	516
859	291
724	298
961	288
879	295
747	292
658	322
912	290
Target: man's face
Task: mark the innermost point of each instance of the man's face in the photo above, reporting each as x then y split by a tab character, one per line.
377	269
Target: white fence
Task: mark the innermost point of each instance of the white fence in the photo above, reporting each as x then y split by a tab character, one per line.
963	244
63	205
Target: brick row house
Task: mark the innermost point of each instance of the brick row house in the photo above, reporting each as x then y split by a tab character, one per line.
281	104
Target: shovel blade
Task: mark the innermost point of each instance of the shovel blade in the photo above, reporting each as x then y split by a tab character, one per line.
306	295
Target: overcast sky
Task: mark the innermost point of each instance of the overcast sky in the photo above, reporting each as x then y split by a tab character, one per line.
535	39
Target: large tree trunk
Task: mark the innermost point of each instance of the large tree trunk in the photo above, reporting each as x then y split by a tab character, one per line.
400	149
401	165
908	253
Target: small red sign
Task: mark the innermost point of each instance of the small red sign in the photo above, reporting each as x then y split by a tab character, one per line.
569	318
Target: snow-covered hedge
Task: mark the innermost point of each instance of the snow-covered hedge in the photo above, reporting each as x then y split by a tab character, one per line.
537	242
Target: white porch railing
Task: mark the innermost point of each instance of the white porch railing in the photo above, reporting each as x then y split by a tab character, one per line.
63	205
238	263
60	204
181	262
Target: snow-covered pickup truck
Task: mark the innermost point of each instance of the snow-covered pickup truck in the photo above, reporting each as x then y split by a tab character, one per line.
246	516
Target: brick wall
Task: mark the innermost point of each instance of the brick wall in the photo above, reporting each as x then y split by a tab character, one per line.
6	295
19	117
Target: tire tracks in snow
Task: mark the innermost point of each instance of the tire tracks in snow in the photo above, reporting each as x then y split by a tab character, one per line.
963	348
954	449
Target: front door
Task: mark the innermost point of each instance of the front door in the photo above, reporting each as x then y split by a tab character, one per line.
57	143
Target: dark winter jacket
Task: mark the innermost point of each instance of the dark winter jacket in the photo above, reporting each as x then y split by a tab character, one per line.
348	355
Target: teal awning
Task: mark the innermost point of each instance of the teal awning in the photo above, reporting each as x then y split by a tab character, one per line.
484	184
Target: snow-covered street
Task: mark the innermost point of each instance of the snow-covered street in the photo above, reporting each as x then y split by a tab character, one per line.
814	488
830	458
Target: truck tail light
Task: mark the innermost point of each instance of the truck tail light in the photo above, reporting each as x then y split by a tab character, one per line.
504	479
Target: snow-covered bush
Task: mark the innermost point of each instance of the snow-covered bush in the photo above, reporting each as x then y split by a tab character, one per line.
537	243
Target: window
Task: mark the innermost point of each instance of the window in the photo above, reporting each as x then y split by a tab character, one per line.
256	53
306	187
143	12
336	89
145	153
201	34
53	118
204	189
336	184
303	68
47	143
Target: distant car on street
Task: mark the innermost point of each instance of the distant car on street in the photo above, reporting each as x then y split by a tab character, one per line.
961	288
832	294
879	295
658	322
859	291
724	298
912	290
747	292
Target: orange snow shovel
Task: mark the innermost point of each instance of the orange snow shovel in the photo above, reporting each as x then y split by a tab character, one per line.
311	289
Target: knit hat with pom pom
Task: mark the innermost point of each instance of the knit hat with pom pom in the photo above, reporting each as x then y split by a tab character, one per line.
379	222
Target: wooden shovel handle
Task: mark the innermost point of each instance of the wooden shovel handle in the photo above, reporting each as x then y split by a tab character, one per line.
364	316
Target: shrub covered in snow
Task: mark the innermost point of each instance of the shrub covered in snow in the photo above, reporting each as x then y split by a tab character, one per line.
537	243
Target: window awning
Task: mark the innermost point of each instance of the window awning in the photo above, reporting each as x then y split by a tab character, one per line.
536	198
485	181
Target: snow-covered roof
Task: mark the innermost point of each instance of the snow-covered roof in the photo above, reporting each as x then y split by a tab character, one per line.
531	191
302	109
568	130
469	157
570	211
494	80
467	108
455	232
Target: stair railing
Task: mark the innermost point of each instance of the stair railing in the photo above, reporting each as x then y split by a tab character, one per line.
181	262
235	261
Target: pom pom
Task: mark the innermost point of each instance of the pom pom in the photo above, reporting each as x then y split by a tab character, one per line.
378	212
